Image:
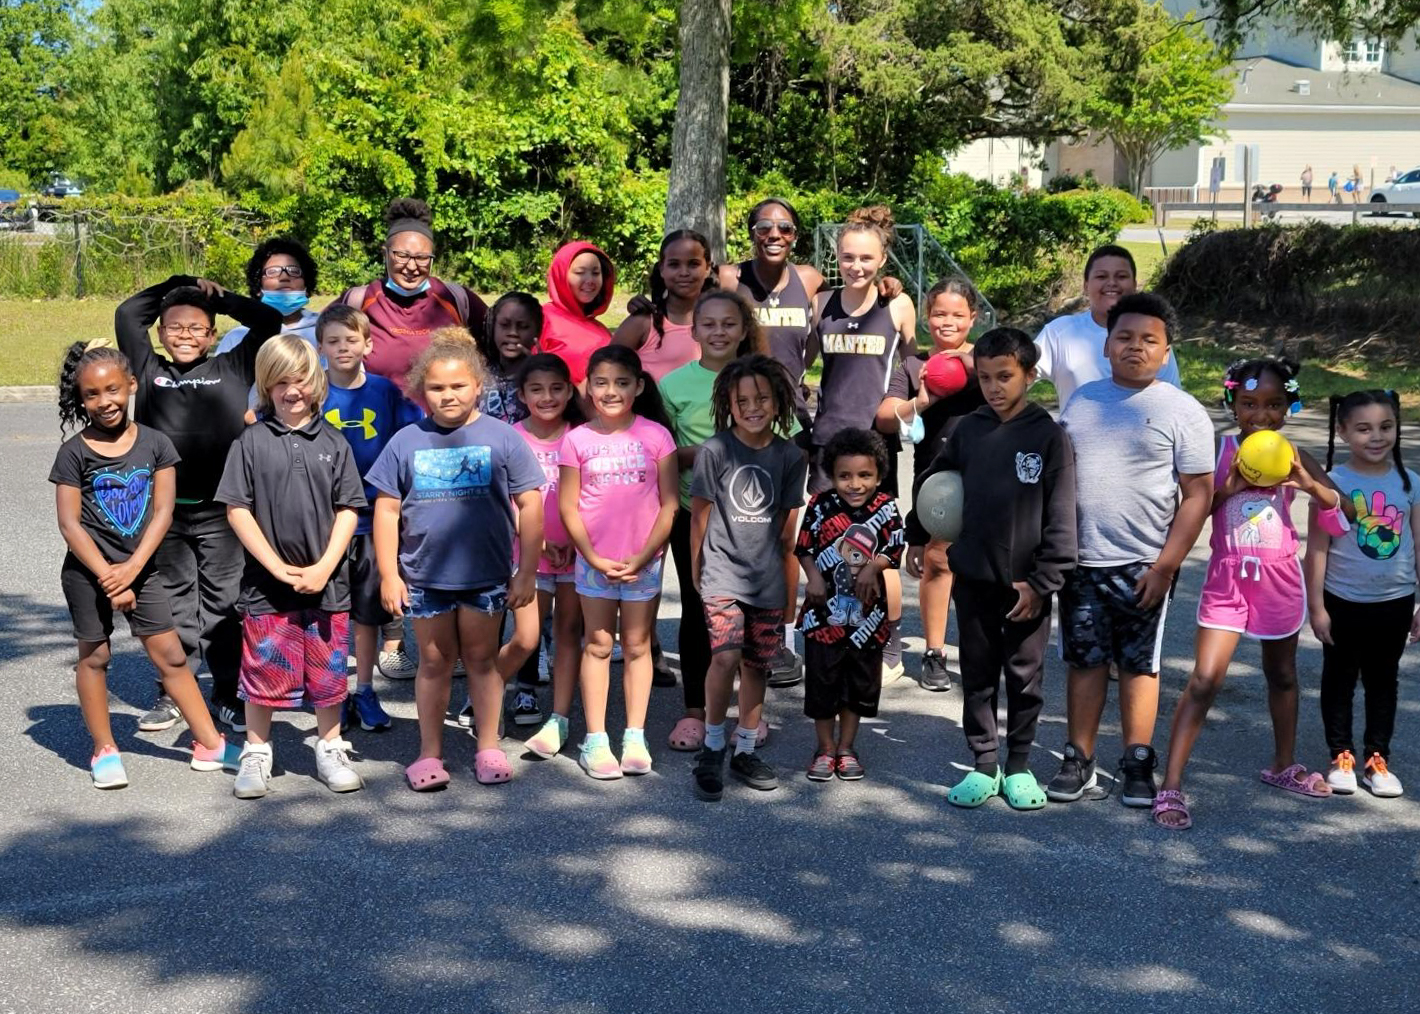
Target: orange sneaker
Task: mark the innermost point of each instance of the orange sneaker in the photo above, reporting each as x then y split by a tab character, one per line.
1342	776
1379	779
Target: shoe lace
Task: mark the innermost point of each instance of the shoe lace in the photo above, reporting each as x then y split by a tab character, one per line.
251	766
1377	765
1345	761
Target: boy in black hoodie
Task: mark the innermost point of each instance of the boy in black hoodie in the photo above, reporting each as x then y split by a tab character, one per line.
1017	542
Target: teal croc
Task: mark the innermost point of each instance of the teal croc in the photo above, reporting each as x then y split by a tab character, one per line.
974	789
1023	792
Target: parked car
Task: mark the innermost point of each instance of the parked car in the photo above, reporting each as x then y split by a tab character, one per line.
1404	189
61	186
16	215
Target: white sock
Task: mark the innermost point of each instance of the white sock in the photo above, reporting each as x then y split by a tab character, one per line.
714	736
789	636
744	740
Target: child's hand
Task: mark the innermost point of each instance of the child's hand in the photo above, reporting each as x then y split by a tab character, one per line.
638	305
1029	604
1151	588
309	580
117	578
1234	483
913	561
559	556
1321	626
523	588
815	591
630	569
123	601
211	289
603	564
1300	479
394	596
866	587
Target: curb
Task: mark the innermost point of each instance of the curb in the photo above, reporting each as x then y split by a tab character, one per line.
30	393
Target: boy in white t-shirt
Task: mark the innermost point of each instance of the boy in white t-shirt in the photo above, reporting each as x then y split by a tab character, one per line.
1072	347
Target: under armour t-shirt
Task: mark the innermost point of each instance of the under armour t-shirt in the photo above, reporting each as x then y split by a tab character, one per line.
368	416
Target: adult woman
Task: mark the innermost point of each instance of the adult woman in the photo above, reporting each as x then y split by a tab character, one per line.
409	304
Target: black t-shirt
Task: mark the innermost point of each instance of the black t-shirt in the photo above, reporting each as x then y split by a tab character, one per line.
116	494
293	482
942	415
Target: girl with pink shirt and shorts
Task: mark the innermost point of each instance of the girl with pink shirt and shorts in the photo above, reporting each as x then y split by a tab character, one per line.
1254	584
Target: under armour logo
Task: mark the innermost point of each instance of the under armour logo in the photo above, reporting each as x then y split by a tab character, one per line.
852	325
366	422
326	457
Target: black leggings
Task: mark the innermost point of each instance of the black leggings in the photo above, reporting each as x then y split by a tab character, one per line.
694	638
1367	641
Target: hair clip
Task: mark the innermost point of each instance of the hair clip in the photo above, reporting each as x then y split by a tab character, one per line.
1229	384
1296	406
1292	386
99	343
1251	384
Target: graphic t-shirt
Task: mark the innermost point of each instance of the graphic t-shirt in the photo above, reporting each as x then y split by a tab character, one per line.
501	399
1375	561
455	489
368	417
1255	524
620	495
841	540
115	493
554	532
752	491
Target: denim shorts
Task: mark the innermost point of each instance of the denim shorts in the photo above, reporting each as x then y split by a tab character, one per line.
549	582
426	603
595	585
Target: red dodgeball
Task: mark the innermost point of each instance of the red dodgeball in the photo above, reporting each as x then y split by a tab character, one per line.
944	374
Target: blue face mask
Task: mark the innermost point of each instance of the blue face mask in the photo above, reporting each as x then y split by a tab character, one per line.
288	301
400	290
912	432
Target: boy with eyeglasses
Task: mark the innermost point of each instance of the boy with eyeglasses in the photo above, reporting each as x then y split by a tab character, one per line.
199	402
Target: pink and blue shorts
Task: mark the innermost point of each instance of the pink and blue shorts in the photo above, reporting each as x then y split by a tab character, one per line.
288	656
593	584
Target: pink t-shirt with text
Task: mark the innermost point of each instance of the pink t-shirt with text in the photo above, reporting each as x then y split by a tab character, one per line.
554	532
621	494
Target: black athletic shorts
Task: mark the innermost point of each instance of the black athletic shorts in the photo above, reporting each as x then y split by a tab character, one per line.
365	606
92	613
1101	621
839	677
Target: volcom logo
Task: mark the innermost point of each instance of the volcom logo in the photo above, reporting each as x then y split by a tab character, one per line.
1028	467
751	495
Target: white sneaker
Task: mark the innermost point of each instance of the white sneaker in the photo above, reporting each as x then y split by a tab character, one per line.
616	655
892	673
254	774
1379	779
465	718
1342	776
397	665
333	767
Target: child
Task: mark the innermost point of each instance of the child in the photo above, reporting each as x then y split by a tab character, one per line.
1133	537
200	403
1017	544
510	332
851	534
545	386
580	283
725	329
663	338
1253	585
368	410
927	421
455	489
292	492
1361	587
748	487
618	500
114	491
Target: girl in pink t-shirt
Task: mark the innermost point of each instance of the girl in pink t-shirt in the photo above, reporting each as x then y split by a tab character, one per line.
619	488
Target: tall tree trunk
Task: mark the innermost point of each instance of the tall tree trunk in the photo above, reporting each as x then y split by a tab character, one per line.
696	197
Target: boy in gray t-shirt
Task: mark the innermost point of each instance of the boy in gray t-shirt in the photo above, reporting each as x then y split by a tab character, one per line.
1138	442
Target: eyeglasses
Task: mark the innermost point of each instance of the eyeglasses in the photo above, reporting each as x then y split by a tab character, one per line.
404	257
765	226
293	271
188	330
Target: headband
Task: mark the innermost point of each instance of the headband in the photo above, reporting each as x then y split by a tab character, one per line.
400	225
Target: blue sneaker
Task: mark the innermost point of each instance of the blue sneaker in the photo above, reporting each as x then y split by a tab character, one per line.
107	769
363	706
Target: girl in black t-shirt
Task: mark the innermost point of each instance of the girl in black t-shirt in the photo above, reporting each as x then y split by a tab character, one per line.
115	487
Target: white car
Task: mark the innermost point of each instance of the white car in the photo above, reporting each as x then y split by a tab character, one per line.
1404	189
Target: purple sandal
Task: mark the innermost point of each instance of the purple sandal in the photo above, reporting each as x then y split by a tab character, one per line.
1172	801
1299	780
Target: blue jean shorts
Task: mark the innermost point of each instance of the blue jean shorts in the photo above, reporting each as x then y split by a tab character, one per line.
549	582
426	603
595	585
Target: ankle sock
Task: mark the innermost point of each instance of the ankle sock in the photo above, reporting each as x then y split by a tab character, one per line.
744	740
989	770
789	636
714	736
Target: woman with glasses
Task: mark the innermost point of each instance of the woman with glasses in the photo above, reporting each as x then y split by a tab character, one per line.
282	274
409	303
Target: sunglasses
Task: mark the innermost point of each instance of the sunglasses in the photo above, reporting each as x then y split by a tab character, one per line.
766	226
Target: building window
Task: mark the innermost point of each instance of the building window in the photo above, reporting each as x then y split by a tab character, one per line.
1367	54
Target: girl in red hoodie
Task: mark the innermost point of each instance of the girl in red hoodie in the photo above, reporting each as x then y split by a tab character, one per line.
580	282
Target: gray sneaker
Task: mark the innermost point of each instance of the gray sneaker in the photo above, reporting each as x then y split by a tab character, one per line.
333	767
397	665
255	772
164	714
934	675
786	669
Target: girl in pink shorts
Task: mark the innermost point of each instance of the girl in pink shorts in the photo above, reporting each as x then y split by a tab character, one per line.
1254	583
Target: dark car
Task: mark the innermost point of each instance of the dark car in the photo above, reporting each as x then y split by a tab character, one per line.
61	186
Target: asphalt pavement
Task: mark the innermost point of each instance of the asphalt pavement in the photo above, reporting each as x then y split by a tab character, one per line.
557	893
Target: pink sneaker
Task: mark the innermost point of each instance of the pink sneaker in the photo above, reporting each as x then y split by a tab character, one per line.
224	757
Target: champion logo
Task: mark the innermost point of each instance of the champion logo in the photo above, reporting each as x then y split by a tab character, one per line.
169	382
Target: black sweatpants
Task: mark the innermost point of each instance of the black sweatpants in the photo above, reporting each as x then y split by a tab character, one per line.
694	638
200	562
1368	639
989	644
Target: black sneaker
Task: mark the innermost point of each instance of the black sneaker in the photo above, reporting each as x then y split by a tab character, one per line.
1075	778
232	714
786	669
709	774
525	709
164	714
934	675
661	673
1137	767
751	769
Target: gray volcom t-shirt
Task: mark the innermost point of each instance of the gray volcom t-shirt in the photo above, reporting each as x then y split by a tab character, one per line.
1131	446
752	492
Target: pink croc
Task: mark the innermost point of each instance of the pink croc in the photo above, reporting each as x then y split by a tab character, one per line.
426	773
688	734
491	767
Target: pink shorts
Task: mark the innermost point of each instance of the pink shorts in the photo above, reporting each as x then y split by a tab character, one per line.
1264	599
288	656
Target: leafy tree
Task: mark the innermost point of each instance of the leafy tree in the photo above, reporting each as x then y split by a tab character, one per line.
35	37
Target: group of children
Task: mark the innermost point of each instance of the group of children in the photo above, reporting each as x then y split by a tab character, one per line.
527	495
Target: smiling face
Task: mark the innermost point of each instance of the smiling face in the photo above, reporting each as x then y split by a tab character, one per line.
719	328
344	347
104	388
950	320
613	391
1264	407
855	478
546	395
513	333
186	333
684	267
773	233
409	258
1109	279
1370	433
860	257
752	406
1137	349
584	277
293	401
451	391
1003	384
